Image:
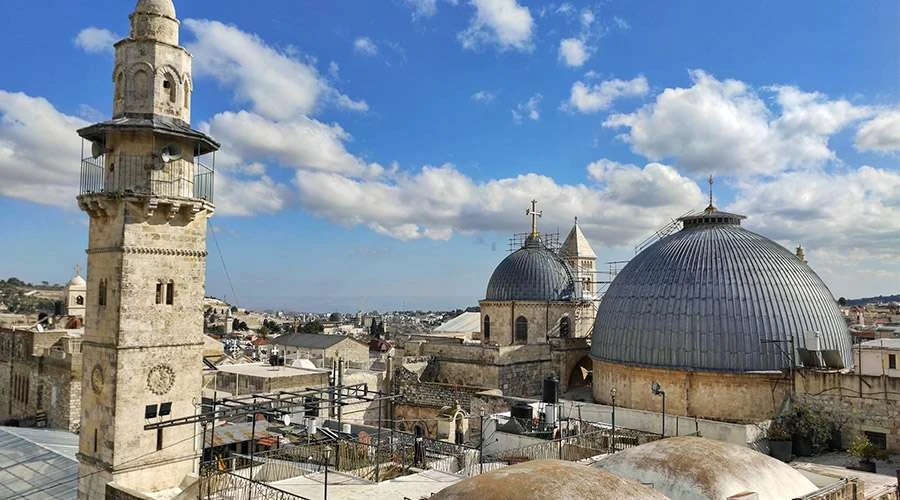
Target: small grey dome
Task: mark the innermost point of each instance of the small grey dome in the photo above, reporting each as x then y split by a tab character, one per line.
159	7
705	297
533	272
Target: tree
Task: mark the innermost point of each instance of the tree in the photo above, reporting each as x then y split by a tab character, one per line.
334	317
842	302
233	309
312	327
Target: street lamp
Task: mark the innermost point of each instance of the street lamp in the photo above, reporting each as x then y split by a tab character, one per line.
657	391
327	459
612	442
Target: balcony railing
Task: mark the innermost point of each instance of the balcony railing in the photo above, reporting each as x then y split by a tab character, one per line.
146	175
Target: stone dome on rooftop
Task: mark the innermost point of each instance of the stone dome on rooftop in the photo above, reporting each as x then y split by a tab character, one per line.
159	7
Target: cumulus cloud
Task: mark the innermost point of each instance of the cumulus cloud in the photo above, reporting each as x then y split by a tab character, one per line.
501	23
483	96
726	127
277	85
244	196
587	98
573	52
301	143
881	133
528	109
851	213
620	206
365	46
96	40
39	150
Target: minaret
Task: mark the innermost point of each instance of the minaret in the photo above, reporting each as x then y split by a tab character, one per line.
576	251
148	197
76	292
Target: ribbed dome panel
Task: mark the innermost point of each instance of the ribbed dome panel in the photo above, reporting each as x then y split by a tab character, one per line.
704	297
533	272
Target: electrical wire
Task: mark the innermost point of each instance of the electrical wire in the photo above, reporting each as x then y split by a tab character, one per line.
234	294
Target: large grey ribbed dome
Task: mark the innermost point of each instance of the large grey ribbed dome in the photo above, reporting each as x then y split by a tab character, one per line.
704	297
533	272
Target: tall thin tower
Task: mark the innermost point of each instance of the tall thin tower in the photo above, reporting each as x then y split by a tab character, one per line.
148	197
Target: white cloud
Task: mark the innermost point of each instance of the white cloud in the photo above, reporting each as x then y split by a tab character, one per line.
277	84
622	24
483	96
240	196
528	109
573	52
620	207
39	150
587	18
334	70
300	143
565	9
422	8
503	23
881	133
365	46
856	212
592	98
96	40
726	127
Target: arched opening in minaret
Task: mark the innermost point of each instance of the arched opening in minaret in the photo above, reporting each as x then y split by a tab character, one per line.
120	86
170	87
521	334
79	300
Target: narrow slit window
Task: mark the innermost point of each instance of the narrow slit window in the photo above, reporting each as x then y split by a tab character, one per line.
159	439
95	440
101	293
159	293
170	293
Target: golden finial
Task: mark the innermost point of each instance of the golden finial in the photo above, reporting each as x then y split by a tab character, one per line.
711	207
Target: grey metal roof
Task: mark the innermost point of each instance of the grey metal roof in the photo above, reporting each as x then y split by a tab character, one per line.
533	272
704	297
157	123
310	340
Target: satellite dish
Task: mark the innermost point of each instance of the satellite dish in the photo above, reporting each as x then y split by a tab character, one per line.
97	149
172	152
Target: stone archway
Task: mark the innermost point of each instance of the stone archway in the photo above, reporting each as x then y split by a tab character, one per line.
581	375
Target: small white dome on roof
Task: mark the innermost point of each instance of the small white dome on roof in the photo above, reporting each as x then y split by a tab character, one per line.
158	7
77	282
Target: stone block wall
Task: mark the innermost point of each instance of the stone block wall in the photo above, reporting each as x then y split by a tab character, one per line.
543	319
735	397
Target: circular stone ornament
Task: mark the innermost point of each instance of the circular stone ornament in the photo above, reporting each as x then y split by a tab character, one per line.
160	379
97	379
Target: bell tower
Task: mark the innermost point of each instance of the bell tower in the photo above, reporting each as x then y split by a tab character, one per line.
148	195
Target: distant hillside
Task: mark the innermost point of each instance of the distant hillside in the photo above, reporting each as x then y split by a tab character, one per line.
17	296
874	300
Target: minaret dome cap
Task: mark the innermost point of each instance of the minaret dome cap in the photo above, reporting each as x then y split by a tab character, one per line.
159	7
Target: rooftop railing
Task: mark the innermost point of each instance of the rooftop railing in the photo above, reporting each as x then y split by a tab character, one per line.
146	175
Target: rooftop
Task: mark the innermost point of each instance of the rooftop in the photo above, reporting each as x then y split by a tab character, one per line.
38	463
309	340
891	344
265	370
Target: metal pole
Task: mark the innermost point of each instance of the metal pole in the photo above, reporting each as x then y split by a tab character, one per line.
252	449
378	446
664	414
612	439
481	443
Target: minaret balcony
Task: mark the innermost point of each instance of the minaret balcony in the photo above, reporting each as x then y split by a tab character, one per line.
147	175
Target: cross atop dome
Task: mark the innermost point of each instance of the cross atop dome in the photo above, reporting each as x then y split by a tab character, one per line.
534	213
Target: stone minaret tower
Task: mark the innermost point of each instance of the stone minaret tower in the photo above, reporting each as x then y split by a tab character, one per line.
148	197
579	255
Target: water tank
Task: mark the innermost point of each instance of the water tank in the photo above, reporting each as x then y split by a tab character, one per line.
550	414
551	390
522	411
345	428
311	426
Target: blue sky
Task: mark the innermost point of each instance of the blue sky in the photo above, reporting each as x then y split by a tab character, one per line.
378	154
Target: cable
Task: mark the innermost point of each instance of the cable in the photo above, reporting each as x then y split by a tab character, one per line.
222	259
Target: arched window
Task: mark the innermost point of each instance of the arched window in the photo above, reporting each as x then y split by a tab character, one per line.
170	292
79	300
170	87
564	327
521	330
120	86
486	333
159	292
101	292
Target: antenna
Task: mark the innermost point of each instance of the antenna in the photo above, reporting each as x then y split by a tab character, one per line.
171	152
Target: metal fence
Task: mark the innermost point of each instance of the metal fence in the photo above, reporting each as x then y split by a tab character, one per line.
221	485
578	447
147	175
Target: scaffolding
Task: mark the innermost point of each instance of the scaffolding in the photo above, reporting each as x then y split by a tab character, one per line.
550	240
